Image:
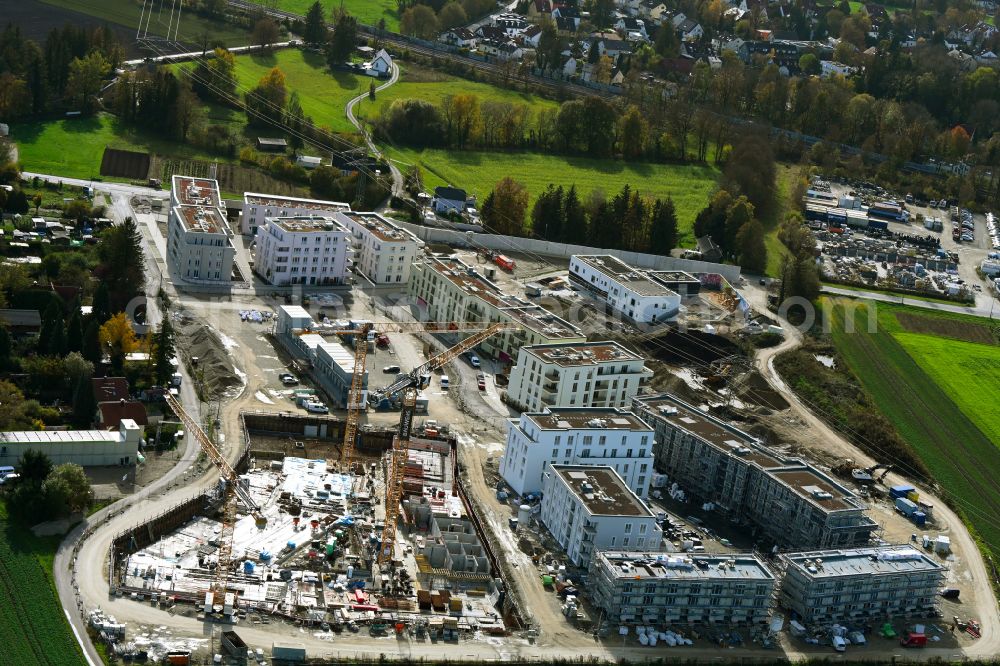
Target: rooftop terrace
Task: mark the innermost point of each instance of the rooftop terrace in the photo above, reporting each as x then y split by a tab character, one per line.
379	227
200	219
274	201
566	418
196	191
307	224
574	354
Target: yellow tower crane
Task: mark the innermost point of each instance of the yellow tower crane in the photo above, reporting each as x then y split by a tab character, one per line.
233	489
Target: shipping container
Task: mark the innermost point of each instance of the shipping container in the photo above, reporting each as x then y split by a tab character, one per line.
287	652
906	506
901	490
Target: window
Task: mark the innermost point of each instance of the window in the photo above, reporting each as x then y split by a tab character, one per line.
628	528
642	528
585	453
555	453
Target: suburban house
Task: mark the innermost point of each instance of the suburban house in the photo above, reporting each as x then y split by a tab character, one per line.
653	10
631	28
539	8
491	32
832	67
532	36
690	31
512	24
461	37
447	199
567	11
379	66
501	50
569	67
111	413
614	47
567	25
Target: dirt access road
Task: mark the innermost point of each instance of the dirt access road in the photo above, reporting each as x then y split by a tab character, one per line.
838	445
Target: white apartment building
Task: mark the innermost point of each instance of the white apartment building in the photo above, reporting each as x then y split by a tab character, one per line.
588	509
199	248
449	290
383	251
660	589
577	436
625	289
589	374
258	207
877	582
303	250
86	448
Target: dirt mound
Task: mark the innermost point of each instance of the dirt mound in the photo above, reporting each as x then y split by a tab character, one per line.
756	390
215	374
124	164
690	347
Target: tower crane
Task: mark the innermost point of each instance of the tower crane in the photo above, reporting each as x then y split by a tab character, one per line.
355	398
410	384
233	489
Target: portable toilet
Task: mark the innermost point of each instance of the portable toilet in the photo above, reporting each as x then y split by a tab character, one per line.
942	545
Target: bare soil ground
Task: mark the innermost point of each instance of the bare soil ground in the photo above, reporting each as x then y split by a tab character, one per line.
948	328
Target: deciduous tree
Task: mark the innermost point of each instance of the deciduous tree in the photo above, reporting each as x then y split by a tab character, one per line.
84	81
504	209
265	32
419	21
118	340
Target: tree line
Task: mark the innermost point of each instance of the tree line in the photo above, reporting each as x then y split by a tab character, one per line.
626	221
590	126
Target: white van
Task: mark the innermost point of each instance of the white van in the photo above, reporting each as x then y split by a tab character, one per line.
445	382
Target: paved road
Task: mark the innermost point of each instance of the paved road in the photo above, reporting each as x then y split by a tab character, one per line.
98	185
397	177
988	311
191	55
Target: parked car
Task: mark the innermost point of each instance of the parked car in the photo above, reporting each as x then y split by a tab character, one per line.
445	381
315	407
481	380
288	379
474	361
391	369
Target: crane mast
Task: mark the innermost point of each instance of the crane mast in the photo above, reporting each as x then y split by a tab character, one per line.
233	489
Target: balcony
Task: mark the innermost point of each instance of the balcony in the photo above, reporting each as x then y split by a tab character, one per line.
552	374
549	388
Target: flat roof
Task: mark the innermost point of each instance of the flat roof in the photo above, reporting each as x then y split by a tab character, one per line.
339	354
196	191
201	219
256	199
307	224
707	428
800	477
616	269
640	565
295	311
59	436
379	227
524	312
605	493
810	484
672	276
870	561
572	354
582	418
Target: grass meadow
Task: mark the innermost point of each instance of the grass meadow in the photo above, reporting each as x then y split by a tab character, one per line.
941	394
366	11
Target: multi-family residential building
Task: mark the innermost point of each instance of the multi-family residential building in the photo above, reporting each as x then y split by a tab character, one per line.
849	585
449	290
589	374
199	248
625	289
784	500
577	436
331	363
258	207
303	250
588	508
660	589
383	251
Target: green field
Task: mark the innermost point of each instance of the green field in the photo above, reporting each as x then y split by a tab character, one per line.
478	172
126	12
323	93
366	11
73	147
434	87
942	395
33	628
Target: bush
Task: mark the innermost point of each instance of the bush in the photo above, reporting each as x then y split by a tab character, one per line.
248	155
766	340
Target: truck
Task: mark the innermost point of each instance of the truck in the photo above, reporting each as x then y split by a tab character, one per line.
288	652
504	262
913	639
905	506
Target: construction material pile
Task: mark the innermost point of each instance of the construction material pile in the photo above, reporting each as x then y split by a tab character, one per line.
213	372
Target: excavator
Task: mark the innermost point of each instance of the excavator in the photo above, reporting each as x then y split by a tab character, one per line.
867	476
233	490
